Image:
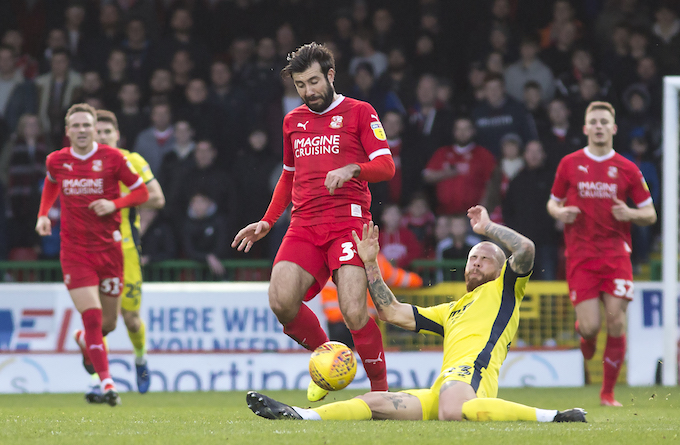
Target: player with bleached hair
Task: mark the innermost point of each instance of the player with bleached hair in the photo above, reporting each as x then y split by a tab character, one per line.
477	331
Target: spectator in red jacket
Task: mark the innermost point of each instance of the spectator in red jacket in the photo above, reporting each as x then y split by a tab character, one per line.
399	245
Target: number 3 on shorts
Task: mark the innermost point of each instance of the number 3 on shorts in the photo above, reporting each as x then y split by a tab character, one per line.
348	250
624	288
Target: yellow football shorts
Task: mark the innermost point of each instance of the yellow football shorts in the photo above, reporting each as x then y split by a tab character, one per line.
132	279
429	398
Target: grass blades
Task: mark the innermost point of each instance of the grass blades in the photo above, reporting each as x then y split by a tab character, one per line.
650	415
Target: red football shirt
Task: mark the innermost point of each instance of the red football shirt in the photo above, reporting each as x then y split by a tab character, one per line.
82	180
348	132
590	182
474	165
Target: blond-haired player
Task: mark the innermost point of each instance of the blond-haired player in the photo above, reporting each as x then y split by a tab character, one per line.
477	331
108	133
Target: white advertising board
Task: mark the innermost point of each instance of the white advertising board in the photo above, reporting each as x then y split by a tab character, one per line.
38	372
207	336
645	334
178	316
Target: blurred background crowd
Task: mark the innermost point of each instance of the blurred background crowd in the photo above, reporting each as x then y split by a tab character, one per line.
480	99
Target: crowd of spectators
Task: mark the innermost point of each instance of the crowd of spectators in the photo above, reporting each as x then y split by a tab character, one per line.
480	99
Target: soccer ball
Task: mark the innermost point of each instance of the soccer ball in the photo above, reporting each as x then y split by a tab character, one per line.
332	366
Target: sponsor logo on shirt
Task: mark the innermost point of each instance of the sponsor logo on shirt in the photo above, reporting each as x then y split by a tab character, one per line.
317	145
590	189
83	186
97	165
496	121
336	122
378	131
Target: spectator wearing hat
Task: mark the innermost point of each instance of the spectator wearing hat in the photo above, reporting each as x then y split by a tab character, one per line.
638	119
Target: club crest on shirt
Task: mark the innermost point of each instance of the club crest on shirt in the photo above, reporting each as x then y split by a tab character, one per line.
378	131
613	172
97	165
336	122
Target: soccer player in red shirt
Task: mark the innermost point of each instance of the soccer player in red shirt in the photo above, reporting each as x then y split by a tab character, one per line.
332	147
589	196
86	177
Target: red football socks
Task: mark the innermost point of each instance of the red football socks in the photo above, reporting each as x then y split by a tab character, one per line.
614	354
588	346
94	340
369	345
305	329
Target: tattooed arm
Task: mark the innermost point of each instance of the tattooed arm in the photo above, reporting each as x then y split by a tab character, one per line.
389	309
522	248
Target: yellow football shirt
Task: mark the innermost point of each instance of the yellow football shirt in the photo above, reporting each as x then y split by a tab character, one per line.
129	217
477	328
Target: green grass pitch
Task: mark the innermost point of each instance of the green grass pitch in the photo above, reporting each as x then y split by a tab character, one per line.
649	416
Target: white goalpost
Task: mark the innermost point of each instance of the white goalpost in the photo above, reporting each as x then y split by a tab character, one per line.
670	229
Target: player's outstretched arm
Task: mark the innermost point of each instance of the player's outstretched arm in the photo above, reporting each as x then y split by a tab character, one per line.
247	236
522	248
389	309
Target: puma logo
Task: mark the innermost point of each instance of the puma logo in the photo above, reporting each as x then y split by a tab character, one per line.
375	116
612	363
303	126
374	360
69	166
100	347
583	168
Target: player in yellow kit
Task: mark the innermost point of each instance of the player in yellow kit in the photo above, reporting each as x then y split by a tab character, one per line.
107	133
477	331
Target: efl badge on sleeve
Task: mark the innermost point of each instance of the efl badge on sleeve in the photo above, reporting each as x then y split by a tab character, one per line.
336	122
378	131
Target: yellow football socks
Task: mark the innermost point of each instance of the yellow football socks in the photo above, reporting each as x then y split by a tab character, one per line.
353	409
497	410
138	340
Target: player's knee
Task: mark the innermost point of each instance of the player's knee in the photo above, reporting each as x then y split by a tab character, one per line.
109	325
616	326
284	310
450	412
132	320
356	317
588	329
